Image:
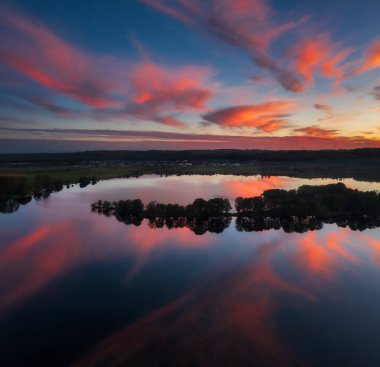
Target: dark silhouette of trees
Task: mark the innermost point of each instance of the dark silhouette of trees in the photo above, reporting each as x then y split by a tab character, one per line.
13	193
9	206
244	205
85	181
200	208
226	155
308	208
22	189
304	209
200	216
13	186
324	201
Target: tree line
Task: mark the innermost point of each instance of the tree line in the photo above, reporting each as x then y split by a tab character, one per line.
20	190
229	155
306	208
199	208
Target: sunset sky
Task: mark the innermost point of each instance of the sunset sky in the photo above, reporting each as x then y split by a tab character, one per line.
189	74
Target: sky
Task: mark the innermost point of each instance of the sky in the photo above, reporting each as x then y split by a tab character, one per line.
189	74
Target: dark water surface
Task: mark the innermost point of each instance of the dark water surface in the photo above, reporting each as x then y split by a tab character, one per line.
80	289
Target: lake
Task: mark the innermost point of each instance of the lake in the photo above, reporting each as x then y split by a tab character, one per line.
78	288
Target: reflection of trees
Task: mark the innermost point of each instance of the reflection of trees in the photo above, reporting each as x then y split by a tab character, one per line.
304	224
258	224
9	206
12	205
131	219
200	217
21	189
305	209
197	225
218	225
325	201
288	224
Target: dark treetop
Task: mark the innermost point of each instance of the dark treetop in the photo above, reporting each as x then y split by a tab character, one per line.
306	208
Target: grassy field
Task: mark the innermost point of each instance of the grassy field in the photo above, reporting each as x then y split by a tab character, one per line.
21	182
364	171
66	175
67	168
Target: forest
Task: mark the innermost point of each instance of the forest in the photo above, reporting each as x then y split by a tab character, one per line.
304	209
228	155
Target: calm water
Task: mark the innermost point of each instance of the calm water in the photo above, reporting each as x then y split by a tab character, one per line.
80	289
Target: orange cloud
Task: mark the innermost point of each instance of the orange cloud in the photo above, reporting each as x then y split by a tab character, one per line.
371	60
30	140
157	91
324	107
318	56
331	68
42	56
248	25
267	117
144	90
316	132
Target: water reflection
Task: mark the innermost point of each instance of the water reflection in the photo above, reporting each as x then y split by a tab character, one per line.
232	318
80	289
179	189
251	224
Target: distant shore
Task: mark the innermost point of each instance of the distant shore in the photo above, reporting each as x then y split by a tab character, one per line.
24	175
363	169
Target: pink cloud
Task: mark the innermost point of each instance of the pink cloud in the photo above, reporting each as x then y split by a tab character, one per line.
116	88
331	67
267	117
289	80
169	121
248	25
318	56
159	5
376	93
316	131
158	90
371	59
39	54
325	108
31	140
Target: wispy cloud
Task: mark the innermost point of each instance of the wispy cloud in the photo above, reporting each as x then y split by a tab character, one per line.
318	55
157	91
249	25
267	117
324	107
42	56
316	131
79	139
376	92
371	59
329	111
253	26
117	88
